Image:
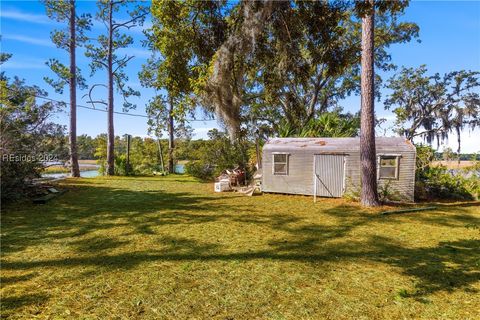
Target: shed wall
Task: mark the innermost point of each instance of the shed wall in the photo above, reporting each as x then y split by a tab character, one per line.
300	174
401	188
300	178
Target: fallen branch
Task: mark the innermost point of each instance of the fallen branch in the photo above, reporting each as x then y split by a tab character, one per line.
408	210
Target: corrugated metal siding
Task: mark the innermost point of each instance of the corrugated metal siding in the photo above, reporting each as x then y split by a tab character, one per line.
301	166
300	174
402	188
329	172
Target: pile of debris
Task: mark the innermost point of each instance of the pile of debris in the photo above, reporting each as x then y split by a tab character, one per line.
45	192
230	180
235	180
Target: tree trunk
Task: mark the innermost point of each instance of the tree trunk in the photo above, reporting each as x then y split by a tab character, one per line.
75	170
171	142
127	166
111	132
258	153
160	151
369	195
459	144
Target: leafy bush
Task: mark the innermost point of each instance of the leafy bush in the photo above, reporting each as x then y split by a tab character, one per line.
217	154
438	182
206	159
200	170
144	155
432	182
387	193
27	138
441	183
353	192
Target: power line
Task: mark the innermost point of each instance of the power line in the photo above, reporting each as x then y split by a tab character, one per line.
94	109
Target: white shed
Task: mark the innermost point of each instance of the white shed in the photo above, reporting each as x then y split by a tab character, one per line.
330	167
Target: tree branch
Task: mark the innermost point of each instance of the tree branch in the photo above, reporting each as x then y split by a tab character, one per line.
100	62
91	101
132	22
123	62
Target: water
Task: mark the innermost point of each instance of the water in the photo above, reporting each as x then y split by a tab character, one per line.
83	174
179	168
89	174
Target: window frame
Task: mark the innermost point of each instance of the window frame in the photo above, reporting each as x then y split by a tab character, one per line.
397	166
286	163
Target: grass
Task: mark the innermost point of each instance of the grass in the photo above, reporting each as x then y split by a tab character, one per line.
92	161
63	169
170	248
453	164
86	165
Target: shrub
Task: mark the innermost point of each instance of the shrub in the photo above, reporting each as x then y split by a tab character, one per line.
144	155
27	137
200	169
387	193
439	182
217	154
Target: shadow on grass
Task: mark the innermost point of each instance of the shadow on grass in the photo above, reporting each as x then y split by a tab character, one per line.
450	265
6	281
16	302
89	209
447	215
92	208
97	244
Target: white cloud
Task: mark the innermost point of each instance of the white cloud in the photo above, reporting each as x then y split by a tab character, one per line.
26	64
30	40
137	52
25	16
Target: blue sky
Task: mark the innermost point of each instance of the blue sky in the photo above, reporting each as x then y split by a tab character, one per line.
449	34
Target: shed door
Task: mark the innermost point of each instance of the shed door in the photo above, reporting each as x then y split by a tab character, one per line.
329	175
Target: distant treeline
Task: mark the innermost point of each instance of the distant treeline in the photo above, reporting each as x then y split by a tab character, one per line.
88	146
148	155
463	156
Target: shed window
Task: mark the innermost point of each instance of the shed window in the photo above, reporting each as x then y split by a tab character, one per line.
280	164
388	167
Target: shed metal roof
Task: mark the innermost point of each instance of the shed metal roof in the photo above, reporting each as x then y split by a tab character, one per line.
387	144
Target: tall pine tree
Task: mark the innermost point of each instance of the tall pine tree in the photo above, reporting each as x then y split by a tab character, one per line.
369	194
104	55
65	11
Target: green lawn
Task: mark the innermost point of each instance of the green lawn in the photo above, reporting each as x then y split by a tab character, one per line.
170	248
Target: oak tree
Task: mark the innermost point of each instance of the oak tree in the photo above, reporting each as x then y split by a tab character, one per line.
431	107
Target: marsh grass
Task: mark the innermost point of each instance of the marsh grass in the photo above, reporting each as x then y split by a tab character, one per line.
171	248
62	169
